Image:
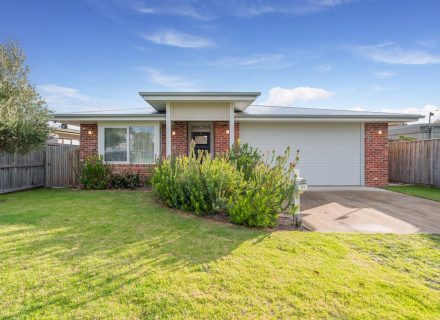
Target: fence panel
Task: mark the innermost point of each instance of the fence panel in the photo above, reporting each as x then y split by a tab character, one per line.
415	162
19	172
62	165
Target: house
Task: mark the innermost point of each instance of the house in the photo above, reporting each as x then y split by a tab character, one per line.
348	148
64	135
418	131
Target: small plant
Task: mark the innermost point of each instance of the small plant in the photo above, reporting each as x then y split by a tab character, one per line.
125	181
95	173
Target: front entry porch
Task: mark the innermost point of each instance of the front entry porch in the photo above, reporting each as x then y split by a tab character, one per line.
216	134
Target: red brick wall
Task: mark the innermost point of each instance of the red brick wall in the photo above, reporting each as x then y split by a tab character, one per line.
88	143
89	147
221	138
179	142
376	154
144	170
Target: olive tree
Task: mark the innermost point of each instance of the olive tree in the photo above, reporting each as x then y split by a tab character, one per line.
24	114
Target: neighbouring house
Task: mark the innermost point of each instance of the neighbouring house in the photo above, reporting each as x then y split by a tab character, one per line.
64	135
418	131
346	148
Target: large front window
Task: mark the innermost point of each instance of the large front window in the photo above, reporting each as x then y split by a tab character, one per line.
129	144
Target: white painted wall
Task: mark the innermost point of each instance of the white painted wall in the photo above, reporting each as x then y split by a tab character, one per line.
330	154
200	111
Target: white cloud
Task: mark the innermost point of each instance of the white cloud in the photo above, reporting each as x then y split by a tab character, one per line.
177	8
178	39
258	61
378	88
211	9
284	97
429	43
385	74
66	99
425	110
56	93
169	81
323	68
392	54
357	109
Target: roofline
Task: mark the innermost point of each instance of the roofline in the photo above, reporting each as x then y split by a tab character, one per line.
200	94
76	119
106	115
381	117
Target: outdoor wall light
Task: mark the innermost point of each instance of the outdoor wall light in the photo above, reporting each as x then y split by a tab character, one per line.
379	132
89	132
173	133
227	131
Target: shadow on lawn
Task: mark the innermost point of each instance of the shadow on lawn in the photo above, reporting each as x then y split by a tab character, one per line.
86	246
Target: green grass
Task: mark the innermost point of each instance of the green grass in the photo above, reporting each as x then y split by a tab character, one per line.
418	191
84	254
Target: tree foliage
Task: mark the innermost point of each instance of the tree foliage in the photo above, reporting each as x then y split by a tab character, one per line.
24	115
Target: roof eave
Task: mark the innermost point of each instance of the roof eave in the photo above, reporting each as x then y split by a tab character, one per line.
344	118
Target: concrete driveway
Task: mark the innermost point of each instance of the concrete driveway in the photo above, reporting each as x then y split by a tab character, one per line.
368	210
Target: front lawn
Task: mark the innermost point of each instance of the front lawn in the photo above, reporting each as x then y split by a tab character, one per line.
418	191
120	255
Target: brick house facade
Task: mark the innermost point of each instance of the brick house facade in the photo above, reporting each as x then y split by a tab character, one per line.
375	148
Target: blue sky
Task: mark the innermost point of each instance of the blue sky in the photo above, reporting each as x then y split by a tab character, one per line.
379	55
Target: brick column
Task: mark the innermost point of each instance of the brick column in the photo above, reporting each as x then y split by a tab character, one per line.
179	141
376	154
88	141
221	138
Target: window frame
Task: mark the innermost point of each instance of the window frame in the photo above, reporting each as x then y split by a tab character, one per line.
126	126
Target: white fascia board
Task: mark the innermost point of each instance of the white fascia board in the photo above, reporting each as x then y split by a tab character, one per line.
315	119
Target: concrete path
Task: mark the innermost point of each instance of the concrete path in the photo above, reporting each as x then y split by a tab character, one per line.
368	210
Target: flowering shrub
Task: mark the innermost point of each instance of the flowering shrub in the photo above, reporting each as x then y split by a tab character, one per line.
251	190
202	186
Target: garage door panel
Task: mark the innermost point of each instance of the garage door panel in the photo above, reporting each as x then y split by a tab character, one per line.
330	154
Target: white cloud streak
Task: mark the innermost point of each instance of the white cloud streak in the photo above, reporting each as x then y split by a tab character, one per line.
285	97
66	99
173	82
257	61
178	39
390	53
211	9
385	74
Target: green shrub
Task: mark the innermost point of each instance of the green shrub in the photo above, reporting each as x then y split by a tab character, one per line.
188	183
244	157
252	191
267	192
125	181
95	173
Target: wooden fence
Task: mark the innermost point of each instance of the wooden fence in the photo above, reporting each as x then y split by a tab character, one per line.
53	166
415	162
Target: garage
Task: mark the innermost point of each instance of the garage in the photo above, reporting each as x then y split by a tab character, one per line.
330	153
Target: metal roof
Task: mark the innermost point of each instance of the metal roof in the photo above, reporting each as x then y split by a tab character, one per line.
259	111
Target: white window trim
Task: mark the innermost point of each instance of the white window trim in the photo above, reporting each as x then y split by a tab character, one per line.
127	125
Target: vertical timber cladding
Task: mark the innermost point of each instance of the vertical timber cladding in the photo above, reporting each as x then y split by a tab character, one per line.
330	153
62	166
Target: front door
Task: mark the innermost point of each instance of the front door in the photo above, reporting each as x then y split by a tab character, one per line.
202	142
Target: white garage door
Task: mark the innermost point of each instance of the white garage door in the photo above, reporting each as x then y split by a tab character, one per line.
330	154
